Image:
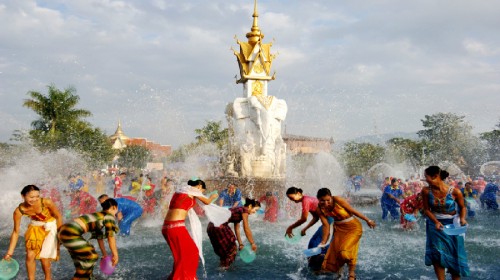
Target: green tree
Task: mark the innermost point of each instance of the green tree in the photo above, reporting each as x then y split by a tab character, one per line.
492	139
212	132
93	144
61	125
57	113
408	150
448	137
134	157
359	157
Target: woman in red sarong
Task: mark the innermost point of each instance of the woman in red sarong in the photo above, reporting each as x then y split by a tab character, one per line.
183	247
410	205
272	206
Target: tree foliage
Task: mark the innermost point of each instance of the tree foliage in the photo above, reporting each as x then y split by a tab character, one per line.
492	139
212	132
448	137
60	125
134	157
359	157
406	150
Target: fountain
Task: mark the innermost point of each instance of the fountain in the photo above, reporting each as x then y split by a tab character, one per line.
255	158
256	161
490	168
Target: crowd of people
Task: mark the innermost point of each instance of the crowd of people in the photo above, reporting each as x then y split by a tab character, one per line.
440	199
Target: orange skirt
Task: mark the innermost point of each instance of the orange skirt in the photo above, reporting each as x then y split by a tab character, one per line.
344	246
34	239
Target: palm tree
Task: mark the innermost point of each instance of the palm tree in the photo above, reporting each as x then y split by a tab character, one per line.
56	110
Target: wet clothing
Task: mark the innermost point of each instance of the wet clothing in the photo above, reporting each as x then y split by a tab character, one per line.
82	203
223	239
181	201
408	206
149	202
388	204
446	250
117	190
271	210
470	196
76	185
309	204
315	262
229	200
131	211
184	250
489	197
445	205
345	243
83	253
41	235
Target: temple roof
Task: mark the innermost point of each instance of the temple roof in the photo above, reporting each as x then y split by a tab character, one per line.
119	134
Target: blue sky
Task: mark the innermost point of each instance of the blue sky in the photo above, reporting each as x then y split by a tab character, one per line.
345	68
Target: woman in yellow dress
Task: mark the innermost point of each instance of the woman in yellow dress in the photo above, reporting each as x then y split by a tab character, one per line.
41	235
347	232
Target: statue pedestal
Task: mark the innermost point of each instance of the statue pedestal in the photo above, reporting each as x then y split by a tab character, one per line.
261	168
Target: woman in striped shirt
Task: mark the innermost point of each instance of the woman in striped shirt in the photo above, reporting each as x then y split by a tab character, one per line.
100	225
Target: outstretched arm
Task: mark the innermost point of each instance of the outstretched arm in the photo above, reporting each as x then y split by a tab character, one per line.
15	234
238	235
342	202
100	242
209	199
311	223
303	219
459	198
114	250
326	229
248	232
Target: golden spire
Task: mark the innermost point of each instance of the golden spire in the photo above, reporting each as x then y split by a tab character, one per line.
119	133
255	35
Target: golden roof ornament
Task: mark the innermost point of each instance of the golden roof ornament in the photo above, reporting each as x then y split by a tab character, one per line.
254	58
119	133
255	35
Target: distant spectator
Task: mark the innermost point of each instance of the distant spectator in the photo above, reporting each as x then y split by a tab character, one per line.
117	192
230	197
489	197
390	199
271	210
470	196
75	183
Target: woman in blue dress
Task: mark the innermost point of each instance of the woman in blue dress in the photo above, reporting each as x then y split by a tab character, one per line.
440	206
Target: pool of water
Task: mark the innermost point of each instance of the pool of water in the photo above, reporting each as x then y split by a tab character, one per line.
385	253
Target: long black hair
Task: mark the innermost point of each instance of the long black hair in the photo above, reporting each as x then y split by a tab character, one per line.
194	183
434	170
322	192
251	202
29	188
293	190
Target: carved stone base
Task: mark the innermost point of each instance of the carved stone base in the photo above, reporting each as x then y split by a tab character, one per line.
261	168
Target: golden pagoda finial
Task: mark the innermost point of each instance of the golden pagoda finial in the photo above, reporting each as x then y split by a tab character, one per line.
255	35
119	132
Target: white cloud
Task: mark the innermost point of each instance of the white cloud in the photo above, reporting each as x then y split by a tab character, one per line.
345	61
475	47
